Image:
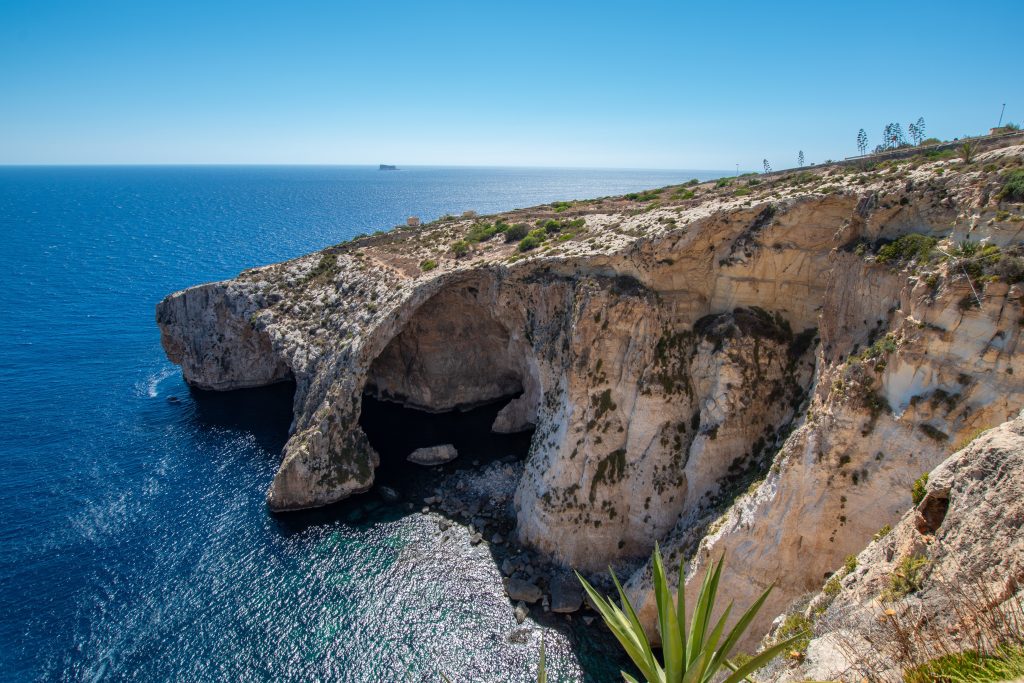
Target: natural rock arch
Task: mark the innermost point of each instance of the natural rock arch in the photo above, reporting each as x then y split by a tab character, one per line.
453	353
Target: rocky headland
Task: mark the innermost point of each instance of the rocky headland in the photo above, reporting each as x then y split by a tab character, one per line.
761	366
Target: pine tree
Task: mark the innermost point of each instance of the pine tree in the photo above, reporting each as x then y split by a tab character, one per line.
916	131
800	158
862	141
898	139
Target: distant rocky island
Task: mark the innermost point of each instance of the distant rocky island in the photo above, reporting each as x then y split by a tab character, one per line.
767	366
388	167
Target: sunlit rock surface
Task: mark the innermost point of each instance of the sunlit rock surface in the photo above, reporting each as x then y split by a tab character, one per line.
725	372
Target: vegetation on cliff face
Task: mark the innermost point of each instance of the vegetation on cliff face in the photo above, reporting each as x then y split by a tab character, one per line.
661	328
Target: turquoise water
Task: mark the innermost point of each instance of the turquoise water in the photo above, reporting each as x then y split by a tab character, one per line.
136	543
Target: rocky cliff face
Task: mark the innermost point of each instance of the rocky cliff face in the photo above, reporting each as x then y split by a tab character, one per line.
938	581
744	368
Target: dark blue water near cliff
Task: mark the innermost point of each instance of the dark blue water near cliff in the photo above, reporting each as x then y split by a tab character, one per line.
135	541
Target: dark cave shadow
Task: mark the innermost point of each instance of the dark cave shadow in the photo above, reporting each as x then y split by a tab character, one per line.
394	431
264	412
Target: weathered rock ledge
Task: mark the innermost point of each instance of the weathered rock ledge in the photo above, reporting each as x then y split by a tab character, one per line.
718	367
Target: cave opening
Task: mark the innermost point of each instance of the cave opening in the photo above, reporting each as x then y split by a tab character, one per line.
454	374
395	430
264	412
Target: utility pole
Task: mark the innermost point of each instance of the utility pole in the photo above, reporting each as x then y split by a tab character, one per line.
1001	112
738	166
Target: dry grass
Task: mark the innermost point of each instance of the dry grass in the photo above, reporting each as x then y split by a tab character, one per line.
971	633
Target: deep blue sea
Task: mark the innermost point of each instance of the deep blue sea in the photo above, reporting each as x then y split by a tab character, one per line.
135	541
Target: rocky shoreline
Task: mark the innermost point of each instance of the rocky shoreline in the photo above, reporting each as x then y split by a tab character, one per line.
758	366
479	501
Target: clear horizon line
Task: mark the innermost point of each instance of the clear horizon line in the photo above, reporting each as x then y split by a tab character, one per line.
217	164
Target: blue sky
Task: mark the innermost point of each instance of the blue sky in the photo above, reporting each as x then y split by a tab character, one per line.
596	84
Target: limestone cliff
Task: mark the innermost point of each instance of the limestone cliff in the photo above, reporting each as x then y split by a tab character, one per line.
758	366
942	580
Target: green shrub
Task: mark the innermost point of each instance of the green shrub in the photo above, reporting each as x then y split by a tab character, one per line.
1013	187
528	243
741	192
514	233
882	347
882	533
700	654
683	194
911	247
850	563
907	578
428	265
481	232
325	269
1005	664
460	248
533	239
645	196
968	148
692	181
552	226
919	489
797	629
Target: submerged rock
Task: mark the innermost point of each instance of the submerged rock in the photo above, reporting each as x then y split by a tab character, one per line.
433	455
389	494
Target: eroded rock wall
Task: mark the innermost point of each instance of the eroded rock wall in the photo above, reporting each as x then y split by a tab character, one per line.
733	374
964	539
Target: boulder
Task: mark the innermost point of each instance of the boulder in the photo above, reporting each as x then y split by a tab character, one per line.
518	589
521	611
433	455
566	595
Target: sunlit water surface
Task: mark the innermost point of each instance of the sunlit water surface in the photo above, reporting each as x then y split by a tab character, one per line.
136	543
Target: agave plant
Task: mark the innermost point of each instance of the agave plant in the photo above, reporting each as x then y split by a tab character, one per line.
694	656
